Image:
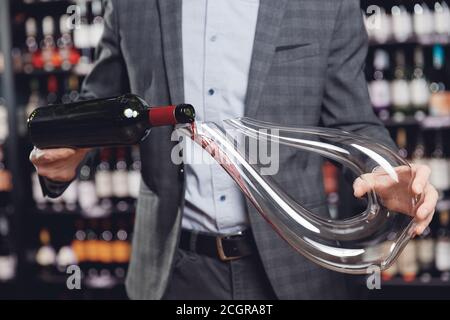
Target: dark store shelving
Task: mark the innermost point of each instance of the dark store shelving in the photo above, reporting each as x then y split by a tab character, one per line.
27	220
29	282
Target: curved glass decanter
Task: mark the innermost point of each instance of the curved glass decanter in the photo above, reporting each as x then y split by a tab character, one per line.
374	237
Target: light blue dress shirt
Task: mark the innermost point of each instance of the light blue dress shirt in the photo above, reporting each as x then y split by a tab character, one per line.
218	38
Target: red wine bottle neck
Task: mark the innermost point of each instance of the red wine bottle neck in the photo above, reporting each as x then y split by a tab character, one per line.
162	116
171	115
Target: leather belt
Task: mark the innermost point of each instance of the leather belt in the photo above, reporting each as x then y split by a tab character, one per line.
223	247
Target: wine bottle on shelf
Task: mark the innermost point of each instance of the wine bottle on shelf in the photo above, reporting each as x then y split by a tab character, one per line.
38	196
441	21
440	175
379	87
418	155
401	141
443	246
69	55
382	32
134	173
407	262
8	259
92	242
121	248
120	180
87	197
438	76
97	25
71	90
423	22
82	40
50	55
103	180
65	258
52	89
32	57
123	120
419	86
35	98
400	87
425	255
46	254
402	25
79	243
393	270
70	196
105	247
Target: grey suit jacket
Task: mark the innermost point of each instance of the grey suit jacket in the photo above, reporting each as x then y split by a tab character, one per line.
306	69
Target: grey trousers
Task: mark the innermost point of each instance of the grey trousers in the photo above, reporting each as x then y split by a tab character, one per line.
198	277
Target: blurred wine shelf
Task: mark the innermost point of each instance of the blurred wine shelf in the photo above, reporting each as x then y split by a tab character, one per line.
44	60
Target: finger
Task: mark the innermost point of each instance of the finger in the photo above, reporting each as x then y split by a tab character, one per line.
426	208
421	226
361	186
40	157
421	179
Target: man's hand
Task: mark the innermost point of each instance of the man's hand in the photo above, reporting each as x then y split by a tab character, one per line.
397	196
57	164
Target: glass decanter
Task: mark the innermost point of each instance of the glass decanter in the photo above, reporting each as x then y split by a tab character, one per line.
374	237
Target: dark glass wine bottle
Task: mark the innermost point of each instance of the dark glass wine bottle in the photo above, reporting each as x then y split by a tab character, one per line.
123	120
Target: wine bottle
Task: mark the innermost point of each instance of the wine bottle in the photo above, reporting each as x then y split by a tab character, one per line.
105	244
379	87
103	180
402	25
97	24
121	248
425	254
32	58
441	20
122	120
87	196
407	262
423	22
52	89
51	56
134	173
79	243
70	196
38	197
69	55
443	246
400	86
65	257
120	175
7	257
401	141
46	254
439	176
418	155
419	87
383	32
438	76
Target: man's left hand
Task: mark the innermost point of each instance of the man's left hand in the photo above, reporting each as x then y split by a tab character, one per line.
399	195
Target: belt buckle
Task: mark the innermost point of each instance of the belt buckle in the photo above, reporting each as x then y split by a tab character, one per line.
220	251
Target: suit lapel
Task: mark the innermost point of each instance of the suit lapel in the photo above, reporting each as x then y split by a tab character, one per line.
170	15
270	16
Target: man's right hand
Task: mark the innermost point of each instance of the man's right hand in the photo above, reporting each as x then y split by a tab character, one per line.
57	164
